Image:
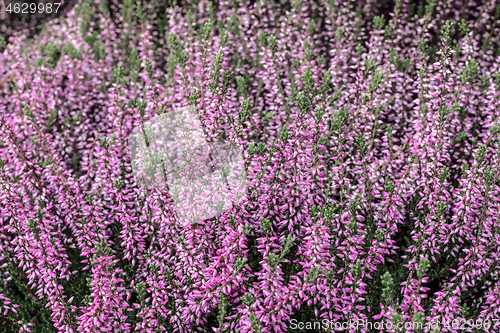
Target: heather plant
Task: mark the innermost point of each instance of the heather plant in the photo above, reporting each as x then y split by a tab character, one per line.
371	137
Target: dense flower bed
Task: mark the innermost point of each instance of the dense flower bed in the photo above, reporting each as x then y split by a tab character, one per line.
371	137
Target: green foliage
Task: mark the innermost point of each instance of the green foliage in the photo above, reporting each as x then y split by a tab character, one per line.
242	85
285	249
272	260
388	32
140	12
403	65
103	7
70	50
339	34
378	22
359	50
194	96
388	287
28	112
485	42
263	39
126	11
134	61
430	7
149	68
495	129
488	176
239	264
443	113
360	143
310	27
33	226
376	80
358	26
222	308
267	117
423	267
446	34
206	30
224	38
441	208
234	24
162	23
309	80
464	27
251	149
396	319
283	135
216	75
246	105
481	152
465	167
319	114
178	56
389	185
99	50
266	225
313	274
51	53
255	323
303	102
86	17
485	81
370	64
422	45
339	120
445	173
470	72
273	44
496	80
118	74
461	136
327	79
